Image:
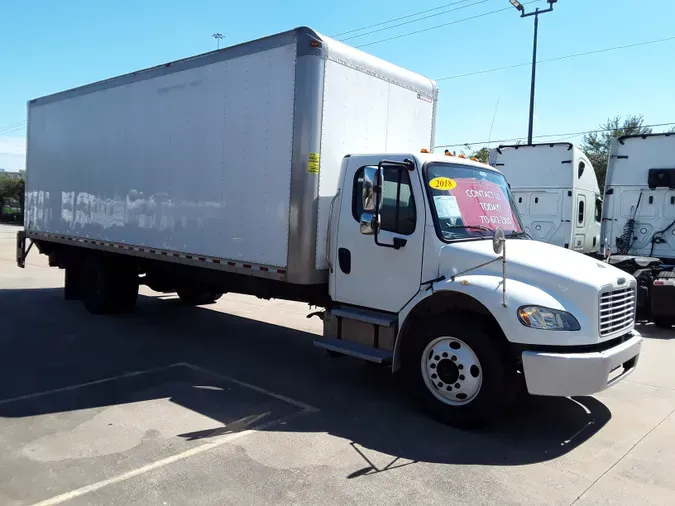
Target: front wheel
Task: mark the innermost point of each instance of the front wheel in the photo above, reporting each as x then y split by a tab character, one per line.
458	374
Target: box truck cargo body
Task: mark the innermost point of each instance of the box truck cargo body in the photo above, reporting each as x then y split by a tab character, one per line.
556	191
233	155
293	167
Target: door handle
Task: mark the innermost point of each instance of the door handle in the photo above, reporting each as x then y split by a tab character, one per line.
345	260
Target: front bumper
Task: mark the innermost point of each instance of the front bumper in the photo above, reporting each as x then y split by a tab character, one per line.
571	374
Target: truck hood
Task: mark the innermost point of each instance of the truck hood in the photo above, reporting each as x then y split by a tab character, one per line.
549	267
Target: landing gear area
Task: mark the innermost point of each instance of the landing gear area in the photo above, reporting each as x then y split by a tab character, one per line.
656	288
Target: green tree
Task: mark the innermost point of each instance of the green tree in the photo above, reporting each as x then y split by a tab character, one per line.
11	188
481	154
596	144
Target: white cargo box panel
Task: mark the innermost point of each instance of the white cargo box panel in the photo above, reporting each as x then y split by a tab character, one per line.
630	199
233	155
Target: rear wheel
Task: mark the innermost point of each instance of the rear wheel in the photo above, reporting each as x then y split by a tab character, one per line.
457	373
107	286
126	290
96	287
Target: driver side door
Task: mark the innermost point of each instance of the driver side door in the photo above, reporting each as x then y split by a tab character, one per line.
380	276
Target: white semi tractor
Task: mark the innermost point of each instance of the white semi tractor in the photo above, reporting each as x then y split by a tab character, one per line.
291	167
638	219
556	192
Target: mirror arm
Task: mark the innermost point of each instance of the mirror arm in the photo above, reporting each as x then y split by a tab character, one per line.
407	163
397	244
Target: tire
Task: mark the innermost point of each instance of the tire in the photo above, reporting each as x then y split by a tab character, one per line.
107	287
71	290
96	285
192	296
471	375
126	290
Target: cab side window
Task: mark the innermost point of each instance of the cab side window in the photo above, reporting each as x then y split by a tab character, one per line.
398	213
598	210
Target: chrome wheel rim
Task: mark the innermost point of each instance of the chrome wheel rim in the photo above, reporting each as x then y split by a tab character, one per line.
451	371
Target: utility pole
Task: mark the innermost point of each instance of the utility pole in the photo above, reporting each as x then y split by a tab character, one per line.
536	13
218	36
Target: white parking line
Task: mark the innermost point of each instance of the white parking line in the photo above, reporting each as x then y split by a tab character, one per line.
305	409
59	499
255	388
249	386
88	383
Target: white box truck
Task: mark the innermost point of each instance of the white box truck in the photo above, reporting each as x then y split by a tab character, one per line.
291	167
638	219
556	192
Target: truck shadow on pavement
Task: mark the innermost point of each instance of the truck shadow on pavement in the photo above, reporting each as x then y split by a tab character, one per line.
653	332
50	344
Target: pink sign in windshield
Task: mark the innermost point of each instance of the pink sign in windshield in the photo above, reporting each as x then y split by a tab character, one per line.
484	203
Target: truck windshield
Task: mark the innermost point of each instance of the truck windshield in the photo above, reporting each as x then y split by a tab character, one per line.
470	202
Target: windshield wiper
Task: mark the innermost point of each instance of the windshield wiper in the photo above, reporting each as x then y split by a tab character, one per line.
472	227
519	234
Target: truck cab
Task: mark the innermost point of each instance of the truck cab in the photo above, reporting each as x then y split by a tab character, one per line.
430	269
556	192
638	219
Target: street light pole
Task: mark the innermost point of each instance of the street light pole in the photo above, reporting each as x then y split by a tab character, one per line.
536	13
218	37
534	76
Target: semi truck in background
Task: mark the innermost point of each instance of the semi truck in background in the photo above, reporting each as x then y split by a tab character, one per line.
556	193
292	167
638	219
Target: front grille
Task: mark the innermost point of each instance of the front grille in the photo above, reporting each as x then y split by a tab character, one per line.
617	310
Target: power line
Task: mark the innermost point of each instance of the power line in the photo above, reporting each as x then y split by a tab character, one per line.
407	16
558	58
443	25
13	126
16	129
570	135
416	20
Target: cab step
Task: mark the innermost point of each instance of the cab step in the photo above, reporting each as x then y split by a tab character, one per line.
355	350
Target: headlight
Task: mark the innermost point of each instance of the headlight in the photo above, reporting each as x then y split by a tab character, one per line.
543	318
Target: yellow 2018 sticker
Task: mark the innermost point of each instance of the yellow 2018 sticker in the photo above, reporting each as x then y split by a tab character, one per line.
442	183
313	163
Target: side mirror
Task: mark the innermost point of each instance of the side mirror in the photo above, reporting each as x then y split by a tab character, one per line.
368	224
368	196
498	241
370	200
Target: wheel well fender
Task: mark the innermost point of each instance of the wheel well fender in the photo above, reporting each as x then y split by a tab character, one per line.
439	303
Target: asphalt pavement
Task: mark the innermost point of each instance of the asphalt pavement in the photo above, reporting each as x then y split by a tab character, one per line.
231	404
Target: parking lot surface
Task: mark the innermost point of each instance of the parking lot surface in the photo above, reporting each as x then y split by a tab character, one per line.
231	404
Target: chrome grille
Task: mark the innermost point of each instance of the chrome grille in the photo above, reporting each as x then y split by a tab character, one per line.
617	310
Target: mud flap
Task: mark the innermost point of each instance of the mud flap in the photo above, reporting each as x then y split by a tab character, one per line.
21	249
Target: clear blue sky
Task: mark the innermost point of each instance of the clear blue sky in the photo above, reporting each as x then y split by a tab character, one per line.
49	46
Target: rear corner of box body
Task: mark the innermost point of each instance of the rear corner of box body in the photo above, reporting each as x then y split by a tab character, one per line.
369	106
196	158
306	162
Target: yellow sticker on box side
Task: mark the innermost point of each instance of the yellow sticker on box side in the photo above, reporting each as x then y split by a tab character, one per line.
442	183
314	163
